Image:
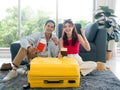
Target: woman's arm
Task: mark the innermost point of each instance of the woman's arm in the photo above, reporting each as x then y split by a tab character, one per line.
83	40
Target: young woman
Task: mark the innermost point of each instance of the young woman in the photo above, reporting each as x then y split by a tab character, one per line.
72	40
29	48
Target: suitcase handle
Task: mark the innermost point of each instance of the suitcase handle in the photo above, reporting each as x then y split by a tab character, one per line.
50	82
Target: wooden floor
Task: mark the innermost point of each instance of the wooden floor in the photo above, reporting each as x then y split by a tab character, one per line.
114	64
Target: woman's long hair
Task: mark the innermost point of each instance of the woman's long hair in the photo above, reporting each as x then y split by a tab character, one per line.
74	34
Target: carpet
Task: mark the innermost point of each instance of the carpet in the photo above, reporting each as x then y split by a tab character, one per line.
96	80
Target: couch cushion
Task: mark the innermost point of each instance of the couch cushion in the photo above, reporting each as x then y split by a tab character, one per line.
91	30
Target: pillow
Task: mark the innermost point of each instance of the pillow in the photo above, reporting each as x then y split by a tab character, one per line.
60	27
78	27
90	32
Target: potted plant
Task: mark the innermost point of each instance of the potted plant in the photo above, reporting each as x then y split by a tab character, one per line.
106	19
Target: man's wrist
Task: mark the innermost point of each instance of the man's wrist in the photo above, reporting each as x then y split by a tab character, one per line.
28	47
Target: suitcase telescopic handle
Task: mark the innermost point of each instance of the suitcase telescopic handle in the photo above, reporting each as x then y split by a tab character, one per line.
52	81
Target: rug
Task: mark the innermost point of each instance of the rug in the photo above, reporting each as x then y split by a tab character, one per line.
96	80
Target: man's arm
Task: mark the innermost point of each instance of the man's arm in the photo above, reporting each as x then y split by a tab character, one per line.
30	40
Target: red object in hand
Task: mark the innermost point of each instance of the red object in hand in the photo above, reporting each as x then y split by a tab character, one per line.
41	45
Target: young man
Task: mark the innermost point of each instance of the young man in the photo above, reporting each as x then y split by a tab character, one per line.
29	48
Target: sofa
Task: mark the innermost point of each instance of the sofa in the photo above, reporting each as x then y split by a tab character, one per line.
95	36
14	48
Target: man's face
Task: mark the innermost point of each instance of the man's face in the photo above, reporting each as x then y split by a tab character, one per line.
49	27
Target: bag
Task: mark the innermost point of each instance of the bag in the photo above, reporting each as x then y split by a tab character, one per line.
54	73
6	67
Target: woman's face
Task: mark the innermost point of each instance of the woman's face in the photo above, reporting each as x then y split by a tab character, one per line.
67	27
49	27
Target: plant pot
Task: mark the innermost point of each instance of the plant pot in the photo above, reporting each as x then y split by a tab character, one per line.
108	54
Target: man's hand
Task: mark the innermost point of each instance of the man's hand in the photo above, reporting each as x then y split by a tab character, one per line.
55	40
31	52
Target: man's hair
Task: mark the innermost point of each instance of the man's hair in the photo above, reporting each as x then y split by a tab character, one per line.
50	21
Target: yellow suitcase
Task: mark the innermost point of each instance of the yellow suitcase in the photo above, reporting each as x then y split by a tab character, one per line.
54	73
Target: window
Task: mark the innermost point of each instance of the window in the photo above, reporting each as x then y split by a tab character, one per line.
117	13
20	18
35	13
8	22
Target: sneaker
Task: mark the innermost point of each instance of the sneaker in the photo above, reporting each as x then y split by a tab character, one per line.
10	75
21	71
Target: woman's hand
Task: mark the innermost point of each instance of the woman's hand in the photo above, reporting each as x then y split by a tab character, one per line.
59	55
83	32
84	41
